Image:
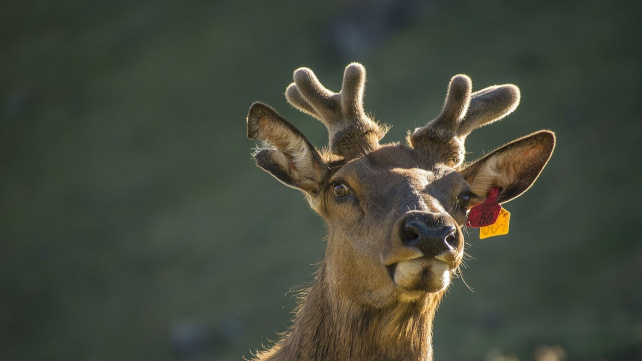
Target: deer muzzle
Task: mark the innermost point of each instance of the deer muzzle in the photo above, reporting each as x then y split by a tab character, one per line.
424	249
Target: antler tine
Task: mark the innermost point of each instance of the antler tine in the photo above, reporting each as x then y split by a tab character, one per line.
489	105
455	105
462	113
320	99
354	83
294	97
350	130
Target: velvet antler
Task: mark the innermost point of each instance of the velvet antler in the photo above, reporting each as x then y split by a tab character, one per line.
462	113
351	131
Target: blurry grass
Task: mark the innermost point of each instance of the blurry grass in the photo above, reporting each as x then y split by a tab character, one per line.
130	203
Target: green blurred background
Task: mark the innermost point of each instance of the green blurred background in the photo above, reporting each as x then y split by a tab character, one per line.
135	226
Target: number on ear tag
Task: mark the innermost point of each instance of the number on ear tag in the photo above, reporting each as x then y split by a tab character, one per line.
500	227
486	213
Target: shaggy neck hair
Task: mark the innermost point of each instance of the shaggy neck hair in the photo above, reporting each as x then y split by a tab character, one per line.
334	329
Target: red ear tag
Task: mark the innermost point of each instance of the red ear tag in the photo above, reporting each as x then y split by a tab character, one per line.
486	213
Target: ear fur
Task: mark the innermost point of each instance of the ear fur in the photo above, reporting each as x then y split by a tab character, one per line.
512	168
290	158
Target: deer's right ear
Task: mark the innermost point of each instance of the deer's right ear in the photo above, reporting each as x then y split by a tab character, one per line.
289	156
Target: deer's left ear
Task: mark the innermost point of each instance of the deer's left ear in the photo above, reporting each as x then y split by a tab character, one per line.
291	158
512	168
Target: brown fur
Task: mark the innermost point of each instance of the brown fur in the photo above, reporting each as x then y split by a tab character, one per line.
376	294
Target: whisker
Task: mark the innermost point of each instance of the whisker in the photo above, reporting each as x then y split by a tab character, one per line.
461	275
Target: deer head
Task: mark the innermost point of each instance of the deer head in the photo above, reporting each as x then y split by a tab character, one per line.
394	212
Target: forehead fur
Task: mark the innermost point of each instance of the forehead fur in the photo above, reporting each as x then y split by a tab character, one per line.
393	164
387	157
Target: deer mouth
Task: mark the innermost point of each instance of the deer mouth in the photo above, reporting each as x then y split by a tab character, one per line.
421	275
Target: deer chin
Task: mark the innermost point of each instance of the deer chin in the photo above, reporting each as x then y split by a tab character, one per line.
419	276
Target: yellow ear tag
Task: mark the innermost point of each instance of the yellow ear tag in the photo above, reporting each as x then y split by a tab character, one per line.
499	228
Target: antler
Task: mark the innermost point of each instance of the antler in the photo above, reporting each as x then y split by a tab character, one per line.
351	131
462	113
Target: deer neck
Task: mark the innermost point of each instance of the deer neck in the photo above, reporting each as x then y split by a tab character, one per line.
328	327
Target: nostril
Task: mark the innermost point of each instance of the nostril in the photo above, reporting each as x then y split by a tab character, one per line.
451	239
410	235
450	236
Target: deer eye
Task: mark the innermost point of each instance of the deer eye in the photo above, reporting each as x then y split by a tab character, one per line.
340	190
464	200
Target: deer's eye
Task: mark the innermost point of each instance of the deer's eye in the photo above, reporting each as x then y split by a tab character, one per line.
464	200
340	190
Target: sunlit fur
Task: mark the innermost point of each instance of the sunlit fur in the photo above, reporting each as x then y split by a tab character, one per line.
375	296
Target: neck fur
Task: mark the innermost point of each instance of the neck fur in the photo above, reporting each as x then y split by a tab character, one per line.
329	328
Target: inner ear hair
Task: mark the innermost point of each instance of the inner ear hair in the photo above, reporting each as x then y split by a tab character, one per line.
289	156
512	168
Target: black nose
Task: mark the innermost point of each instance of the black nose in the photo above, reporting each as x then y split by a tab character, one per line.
430	233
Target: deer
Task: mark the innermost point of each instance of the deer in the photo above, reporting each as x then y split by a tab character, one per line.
394	212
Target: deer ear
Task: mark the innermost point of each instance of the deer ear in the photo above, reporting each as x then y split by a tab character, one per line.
512	168
289	156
